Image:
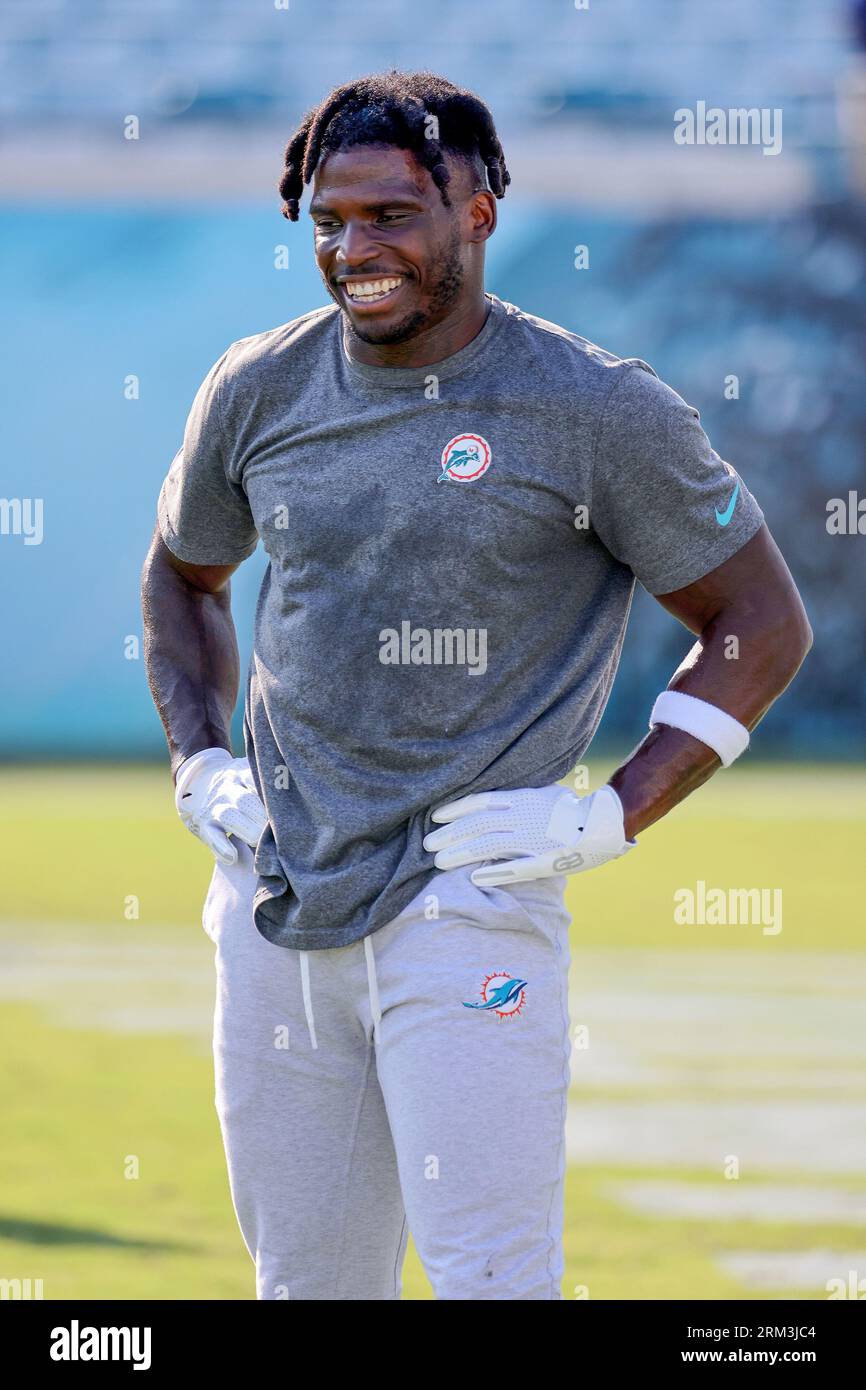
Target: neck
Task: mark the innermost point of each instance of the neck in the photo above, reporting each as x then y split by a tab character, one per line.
432	344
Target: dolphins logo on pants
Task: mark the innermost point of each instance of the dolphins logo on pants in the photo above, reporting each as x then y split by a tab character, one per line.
501	993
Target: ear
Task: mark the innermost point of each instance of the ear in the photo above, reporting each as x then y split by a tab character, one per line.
481	215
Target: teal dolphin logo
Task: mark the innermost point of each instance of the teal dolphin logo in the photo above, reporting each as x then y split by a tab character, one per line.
724	517
465	458
505	998
459	456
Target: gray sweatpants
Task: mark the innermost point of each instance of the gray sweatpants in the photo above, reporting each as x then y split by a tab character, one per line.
421	1073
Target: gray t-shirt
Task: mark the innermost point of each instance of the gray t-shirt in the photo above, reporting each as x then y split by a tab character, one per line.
453	550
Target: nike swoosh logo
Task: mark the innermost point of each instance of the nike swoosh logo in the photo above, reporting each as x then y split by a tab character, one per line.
724	517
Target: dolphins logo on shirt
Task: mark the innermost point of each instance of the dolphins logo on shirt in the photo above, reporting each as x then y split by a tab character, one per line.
465	458
501	993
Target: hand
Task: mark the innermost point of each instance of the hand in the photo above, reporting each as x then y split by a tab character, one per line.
216	797
552	830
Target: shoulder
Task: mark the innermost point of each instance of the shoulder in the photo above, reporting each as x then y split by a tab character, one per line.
254	359
563	348
618	385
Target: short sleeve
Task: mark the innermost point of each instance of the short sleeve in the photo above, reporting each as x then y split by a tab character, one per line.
204	517
663	502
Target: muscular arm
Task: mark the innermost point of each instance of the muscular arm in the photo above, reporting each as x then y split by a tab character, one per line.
751	597
190	650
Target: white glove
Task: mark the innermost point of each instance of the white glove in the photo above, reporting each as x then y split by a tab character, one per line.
216	797
552	830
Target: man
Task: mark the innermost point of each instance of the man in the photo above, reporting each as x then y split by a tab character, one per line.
456	498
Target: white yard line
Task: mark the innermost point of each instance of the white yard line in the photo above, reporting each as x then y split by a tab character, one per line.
758	1054
807	1270
125	978
765	1137
736	1201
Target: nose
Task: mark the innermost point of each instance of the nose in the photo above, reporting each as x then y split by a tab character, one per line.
355	245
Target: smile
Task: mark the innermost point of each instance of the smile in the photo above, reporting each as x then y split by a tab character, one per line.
372	291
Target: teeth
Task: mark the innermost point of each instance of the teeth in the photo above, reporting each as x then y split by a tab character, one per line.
372	289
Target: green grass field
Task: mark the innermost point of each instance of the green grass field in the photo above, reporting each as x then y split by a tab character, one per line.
706	1042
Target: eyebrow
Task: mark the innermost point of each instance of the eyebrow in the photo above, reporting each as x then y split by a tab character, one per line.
397	200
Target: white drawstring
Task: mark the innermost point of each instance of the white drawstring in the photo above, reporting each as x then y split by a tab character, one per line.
308	998
372	983
375	1007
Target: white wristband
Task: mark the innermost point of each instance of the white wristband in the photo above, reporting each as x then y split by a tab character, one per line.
720	731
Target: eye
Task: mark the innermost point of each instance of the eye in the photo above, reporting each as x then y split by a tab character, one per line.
327	224
392	217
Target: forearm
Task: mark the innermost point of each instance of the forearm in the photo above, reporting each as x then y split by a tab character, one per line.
670	764
191	658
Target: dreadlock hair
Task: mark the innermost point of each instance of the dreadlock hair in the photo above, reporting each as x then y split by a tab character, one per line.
394	108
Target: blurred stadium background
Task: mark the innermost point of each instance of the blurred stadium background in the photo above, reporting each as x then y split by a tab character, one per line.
143	259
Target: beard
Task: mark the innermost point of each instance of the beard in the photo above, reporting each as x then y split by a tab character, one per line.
443	292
